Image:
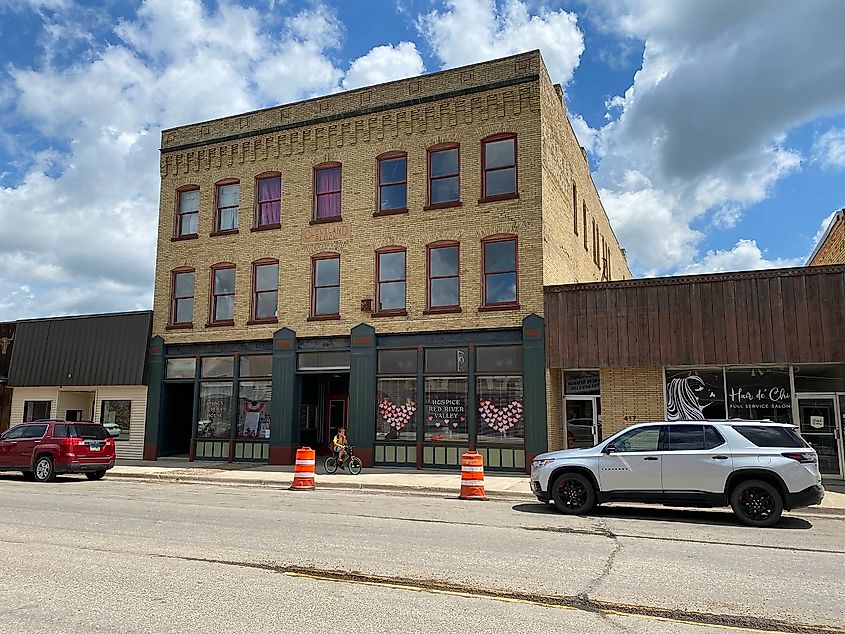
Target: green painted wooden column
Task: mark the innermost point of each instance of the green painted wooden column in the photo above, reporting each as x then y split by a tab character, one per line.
534	379
155	386
284	431
362	393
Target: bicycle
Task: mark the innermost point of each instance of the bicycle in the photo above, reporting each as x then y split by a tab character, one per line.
349	461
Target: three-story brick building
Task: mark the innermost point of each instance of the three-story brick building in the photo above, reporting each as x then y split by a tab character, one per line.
374	258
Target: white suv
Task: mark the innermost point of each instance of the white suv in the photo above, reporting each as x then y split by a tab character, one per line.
759	468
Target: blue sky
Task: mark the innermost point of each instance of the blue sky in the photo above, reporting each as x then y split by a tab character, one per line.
716	130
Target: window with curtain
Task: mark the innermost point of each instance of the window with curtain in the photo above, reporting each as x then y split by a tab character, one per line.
327	192
254	400
390	269
223	295
393	183
228	201
500	276
443	176
396	403
501	416
269	201
182	311
443	277
187	223
499	178
325	283
215	406
266	291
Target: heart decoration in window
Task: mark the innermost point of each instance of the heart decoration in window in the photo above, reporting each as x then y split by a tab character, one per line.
500	419
397	416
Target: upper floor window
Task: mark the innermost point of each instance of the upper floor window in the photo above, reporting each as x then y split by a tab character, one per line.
393	182
498	157
584	224
222	294
327	191
575	208
188	213
228	201
265	293
182	301
500	271
444	175
443	276
390	276
268	196
325	285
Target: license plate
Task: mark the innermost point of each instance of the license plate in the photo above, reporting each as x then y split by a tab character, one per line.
95	447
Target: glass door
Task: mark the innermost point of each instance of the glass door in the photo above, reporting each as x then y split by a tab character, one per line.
337	415
819	427
583	427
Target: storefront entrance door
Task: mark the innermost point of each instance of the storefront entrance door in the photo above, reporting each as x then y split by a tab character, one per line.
821	428
583	421
337	415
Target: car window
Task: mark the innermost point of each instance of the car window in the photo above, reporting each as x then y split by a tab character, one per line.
14	433
712	438
34	431
685	437
642	439
89	432
765	436
59	430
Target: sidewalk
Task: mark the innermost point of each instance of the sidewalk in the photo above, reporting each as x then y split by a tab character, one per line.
503	486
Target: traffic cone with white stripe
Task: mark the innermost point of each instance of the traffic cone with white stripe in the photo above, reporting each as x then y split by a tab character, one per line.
303	471
472	476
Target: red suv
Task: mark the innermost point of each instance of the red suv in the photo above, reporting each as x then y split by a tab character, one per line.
45	448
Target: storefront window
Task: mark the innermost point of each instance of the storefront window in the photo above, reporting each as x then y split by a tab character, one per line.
218	367
254	409
261	365
501	418
445	360
323	360
396	402
695	395
397	362
116	416
758	393
582	382
499	359
181	368
215	410
819	378
445	409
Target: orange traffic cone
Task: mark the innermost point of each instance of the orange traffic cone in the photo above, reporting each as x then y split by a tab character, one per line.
472	476
303	471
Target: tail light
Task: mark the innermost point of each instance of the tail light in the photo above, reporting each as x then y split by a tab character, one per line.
800	456
73	442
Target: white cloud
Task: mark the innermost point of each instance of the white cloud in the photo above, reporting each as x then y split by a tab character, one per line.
743	256
384	63
471	31
829	148
586	135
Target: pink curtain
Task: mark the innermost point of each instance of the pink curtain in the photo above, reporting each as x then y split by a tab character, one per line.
269	203
328	192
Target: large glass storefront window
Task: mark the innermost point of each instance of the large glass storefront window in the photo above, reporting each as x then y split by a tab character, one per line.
214	410
254	399
396	403
697	394
759	393
446	409
500	409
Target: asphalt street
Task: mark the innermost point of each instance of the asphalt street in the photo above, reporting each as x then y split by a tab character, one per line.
129	556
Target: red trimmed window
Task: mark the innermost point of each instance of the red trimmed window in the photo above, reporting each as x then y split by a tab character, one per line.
443	260
575	208
444	178
325	286
268	196
228	200
222	294
188	212
327	180
265	290
498	165
182	297
390	276
392	182
499	267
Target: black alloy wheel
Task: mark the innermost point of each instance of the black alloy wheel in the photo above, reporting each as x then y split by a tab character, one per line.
757	503
573	494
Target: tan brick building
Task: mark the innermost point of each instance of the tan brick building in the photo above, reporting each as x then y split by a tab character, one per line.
374	258
831	246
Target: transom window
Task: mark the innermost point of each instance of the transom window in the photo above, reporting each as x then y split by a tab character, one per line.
443	277
499	166
269	201
182	311
228	200
188	213
223	295
327	192
266	291
443	176
500	276
390	273
393	183
325	295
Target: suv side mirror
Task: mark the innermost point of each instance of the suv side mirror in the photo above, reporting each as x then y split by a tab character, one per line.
609	449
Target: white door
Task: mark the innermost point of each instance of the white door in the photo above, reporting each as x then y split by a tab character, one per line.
582	421
819	426
697	459
635	464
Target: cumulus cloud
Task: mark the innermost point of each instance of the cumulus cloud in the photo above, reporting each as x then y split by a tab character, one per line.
829	148
470	31
743	256
384	63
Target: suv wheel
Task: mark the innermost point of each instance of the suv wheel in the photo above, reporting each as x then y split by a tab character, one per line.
44	469
757	503
573	494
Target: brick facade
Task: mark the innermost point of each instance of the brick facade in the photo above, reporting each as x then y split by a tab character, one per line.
630	396
831	247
